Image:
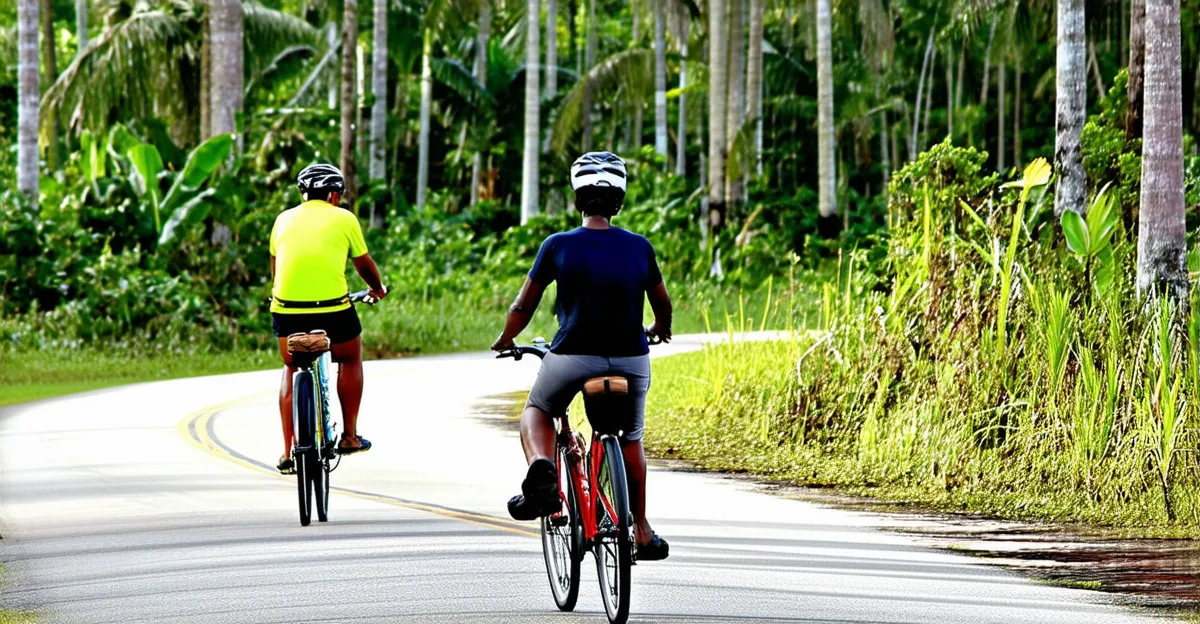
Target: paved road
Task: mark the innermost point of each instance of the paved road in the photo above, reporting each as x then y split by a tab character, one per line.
154	503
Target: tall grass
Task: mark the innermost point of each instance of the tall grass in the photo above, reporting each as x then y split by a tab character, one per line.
1046	397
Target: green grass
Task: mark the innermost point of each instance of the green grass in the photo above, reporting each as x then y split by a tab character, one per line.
41	374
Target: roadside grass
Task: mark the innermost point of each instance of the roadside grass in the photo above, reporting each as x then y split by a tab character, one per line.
17	617
742	408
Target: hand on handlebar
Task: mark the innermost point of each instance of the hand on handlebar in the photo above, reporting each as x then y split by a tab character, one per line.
378	295
658	334
502	343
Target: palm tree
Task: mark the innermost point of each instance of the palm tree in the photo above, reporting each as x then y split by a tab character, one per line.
81	25
481	59
754	77
50	59
551	49
379	60
718	62
529	177
589	61
735	110
226	79
27	101
1137	60
1071	102
660	77
349	95
827	174
1162	231
681	132
426	108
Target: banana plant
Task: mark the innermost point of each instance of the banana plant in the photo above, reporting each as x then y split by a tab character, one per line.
1090	239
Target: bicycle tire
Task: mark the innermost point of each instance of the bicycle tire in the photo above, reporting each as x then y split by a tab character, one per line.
562	545
305	454
320	485
614	551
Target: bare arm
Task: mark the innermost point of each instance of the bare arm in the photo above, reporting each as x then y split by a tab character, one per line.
367	270
520	314
660	303
272	267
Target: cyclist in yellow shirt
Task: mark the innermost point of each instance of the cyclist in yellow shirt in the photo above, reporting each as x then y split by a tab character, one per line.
309	247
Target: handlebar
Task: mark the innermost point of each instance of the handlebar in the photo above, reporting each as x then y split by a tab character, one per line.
540	348
363	296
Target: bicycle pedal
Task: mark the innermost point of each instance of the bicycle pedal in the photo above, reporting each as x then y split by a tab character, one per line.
559	520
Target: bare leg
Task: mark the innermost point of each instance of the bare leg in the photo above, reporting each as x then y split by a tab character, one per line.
537	434
635	474
348	355
285	398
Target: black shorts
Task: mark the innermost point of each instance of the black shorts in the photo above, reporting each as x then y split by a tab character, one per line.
341	326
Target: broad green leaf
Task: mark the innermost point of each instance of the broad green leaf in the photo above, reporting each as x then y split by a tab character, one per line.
120	141
1102	217
201	163
185	217
1076	232
148	164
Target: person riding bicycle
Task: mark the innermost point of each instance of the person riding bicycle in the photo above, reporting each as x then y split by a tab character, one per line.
604	275
309	247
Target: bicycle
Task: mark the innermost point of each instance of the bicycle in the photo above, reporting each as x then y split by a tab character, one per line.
595	511
314	451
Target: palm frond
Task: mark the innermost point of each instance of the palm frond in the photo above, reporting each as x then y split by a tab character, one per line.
268	33
137	65
452	74
625	77
286	65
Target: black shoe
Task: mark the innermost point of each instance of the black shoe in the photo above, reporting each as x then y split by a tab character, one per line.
656	550
539	492
286	465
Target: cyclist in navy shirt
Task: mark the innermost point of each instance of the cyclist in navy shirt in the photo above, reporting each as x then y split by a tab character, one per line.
604	275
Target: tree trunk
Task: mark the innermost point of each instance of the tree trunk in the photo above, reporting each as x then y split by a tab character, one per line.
950	92
349	96
551	49
987	63
529	178
589	61
735	109
1137	62
916	120
883	129
27	100
50	59
958	82
379	63
754	77
660	78
1071	104
1096	70
1162	231
681	132
1017	159
226	82
1001	122
481	57
205	80
331	39
827	186
426	108
81	26
928	101
718	62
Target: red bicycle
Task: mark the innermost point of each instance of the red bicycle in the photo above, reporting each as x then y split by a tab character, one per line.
595	512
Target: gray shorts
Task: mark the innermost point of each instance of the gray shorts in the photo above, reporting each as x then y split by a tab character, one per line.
562	376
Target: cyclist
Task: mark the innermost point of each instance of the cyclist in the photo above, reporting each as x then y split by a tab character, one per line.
309	247
604	275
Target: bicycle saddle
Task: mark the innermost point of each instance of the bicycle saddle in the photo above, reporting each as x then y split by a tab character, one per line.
313	342
605	385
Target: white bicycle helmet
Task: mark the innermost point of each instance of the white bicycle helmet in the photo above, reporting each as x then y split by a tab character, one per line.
598	169
321	177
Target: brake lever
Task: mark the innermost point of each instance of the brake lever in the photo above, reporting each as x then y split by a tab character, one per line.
511	353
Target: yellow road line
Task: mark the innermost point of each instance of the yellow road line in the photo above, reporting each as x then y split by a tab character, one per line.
196	429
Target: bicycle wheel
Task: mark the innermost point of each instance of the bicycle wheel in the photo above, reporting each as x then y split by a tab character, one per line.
319	471
562	542
305	455
614	540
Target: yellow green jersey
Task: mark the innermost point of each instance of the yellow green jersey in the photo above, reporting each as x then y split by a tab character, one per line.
310	244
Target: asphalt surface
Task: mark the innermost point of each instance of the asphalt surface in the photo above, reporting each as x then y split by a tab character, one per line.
156	503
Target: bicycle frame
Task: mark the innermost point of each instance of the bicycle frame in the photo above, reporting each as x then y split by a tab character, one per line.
322	433
586	493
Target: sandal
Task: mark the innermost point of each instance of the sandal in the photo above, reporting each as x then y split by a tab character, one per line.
656	549
539	492
286	464
344	447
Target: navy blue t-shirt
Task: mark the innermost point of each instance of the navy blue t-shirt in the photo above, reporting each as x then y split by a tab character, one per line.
602	276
